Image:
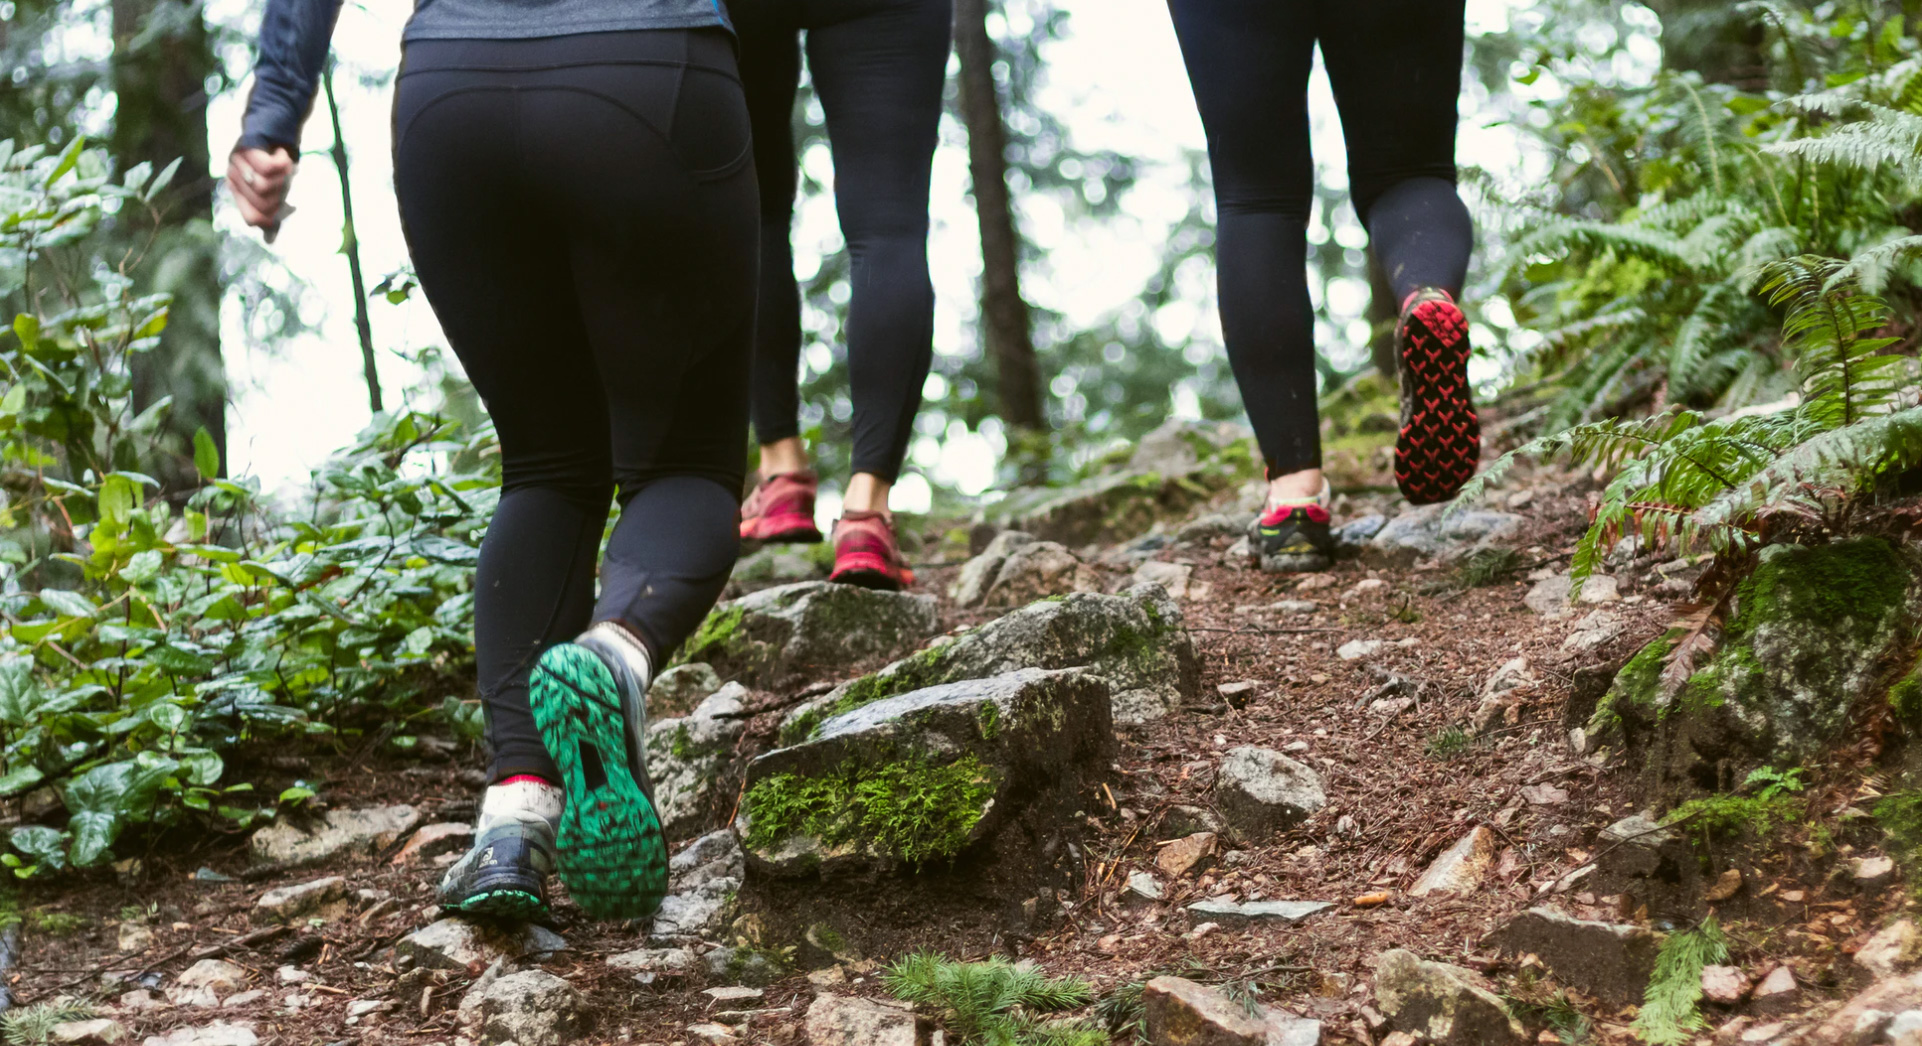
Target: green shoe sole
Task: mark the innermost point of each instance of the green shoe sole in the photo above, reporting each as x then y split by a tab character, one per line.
509	905
611	854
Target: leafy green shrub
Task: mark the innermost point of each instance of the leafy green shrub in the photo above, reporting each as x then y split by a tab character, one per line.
1721	816
994	1003
151	637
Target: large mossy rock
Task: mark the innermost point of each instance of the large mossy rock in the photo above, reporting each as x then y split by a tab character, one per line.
1134	640
1169	471
919	778
791	635
1812	632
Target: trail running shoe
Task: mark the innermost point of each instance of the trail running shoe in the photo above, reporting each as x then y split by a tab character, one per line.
1293	537
1441	438
590	709
505	875
865	553
781	510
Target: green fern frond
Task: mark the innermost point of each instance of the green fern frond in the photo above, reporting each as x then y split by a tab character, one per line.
992	1002
1632	240
33	1025
1668	1016
1867	264
1887	139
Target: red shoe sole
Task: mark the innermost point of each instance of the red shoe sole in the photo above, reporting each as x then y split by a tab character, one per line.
865	570
1440	443
789	529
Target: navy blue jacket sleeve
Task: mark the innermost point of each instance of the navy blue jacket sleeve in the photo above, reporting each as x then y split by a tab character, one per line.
294	38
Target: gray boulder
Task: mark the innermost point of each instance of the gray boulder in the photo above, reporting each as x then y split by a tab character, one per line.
782	564
532	1008
922	776
1180	1012
677	690
977	574
1259	791
1232	913
1436	532
834	1020
337	833
1029	570
289	902
686	757
1442	1004
701	883
456	944
1607	960
1652	865
787	636
1134	640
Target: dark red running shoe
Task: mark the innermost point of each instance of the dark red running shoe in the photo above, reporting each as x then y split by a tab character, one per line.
865	553
1441	438
781	510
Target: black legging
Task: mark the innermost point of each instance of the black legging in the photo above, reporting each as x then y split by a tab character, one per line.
581	213
1396	70
879	67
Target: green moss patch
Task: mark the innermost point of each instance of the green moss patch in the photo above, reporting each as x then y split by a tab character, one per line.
1857	581
913	810
715	638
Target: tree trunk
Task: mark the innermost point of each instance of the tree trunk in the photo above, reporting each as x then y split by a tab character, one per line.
162	60
1004	312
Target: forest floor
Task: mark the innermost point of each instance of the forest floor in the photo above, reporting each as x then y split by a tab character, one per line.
1405	781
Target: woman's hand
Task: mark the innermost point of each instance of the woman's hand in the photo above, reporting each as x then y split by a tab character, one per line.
258	179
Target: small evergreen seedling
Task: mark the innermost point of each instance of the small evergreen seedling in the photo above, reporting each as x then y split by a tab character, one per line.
33	1025
1668	1014
994	1003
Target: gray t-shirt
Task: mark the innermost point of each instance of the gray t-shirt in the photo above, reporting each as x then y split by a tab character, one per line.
518	19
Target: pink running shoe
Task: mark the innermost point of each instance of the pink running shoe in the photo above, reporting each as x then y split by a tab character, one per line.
781	510
865	553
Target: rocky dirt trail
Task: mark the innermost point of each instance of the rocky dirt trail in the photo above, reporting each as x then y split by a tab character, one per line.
1364	802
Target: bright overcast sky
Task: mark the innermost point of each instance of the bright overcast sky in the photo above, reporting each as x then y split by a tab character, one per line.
1117	82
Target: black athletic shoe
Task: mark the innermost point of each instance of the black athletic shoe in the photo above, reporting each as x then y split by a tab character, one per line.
1294	538
505	875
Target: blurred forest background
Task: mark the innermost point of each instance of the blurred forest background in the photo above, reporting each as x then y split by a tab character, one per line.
1639	172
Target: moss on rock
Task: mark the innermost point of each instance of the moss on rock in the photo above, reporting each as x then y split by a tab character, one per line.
912	810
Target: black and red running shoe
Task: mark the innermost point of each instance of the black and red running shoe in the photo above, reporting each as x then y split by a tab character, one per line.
781	510
1441	438
866	553
1294	537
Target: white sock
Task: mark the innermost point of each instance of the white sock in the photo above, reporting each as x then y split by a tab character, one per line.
625	646
1325	497
522	800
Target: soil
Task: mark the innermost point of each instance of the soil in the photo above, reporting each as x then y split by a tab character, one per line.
1403	785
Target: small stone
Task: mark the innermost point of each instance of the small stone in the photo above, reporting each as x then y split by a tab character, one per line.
1174	577
456	944
532	1008
1443	1004
338	832
1461	868
1549	596
1872	872
289	902
1180	1012
1780	981
100	1032
1764	1032
1143	885
829	977
1260	791
677	690
1600	588
436	839
363	1007
833	1020
219	1033
737	993
1892	949
655	960
711	1032
1356	649
140	999
1725	886
133	937
1238	694
1179	857
292	975
1724	985
1229	913
1544	794
203	983
1368	587
246	998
